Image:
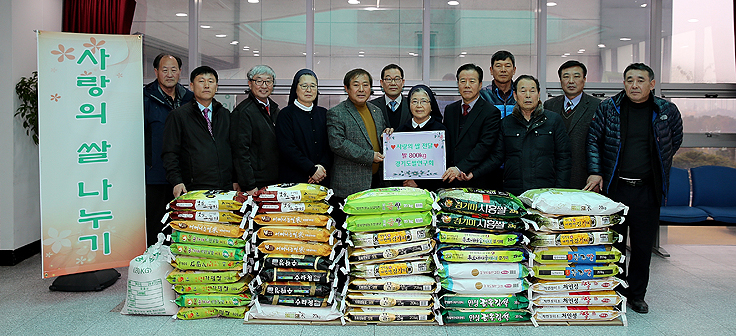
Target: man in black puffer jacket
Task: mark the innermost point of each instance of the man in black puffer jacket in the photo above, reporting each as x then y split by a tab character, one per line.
631	142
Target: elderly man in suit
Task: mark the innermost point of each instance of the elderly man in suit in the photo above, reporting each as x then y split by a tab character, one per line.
354	132
577	109
472	131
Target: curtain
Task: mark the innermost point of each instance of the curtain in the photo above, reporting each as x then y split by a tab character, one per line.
98	16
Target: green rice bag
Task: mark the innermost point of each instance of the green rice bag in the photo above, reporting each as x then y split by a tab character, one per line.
388	200
482	270
575	271
484	286
471	237
390	237
195	313
202	277
509	301
296	261
489	203
592	254
452	316
212	252
196	263
471	253
460	221
391	252
240	286
548	222
201	239
415	266
213	300
574	238
295	288
383	222
571	202
294	301
406	283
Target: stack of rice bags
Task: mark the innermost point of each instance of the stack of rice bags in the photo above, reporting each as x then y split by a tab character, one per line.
297	252
481	257
390	261
574	260
210	257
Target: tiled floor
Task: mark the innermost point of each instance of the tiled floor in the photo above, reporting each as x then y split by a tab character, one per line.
690	293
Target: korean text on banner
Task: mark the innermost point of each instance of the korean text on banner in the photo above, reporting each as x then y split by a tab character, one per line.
414	155
91	151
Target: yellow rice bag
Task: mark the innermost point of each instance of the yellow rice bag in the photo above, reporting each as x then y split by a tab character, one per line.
210	200
303	207
194	313
293	192
240	286
295	247
294	218
202	277
304	233
212	229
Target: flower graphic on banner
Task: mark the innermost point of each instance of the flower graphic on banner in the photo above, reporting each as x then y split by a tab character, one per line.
86	73
85	250
57	239
55	97
94	45
64	53
81	260
120	75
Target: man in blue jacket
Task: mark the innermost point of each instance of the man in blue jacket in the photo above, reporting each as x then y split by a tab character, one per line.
159	98
631	142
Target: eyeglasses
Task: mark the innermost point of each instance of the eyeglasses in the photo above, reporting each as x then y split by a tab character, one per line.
260	82
422	102
308	86
393	80
464	81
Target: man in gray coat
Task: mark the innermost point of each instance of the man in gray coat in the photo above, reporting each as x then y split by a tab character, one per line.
354	131
577	109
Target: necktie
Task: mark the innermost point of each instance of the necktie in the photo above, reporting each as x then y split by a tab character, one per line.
466	109
392	104
268	110
205	112
568	107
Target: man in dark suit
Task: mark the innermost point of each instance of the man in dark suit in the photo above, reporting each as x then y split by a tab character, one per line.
472	130
577	109
392	103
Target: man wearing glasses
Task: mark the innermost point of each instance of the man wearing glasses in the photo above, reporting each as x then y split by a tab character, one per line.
393	104
253	133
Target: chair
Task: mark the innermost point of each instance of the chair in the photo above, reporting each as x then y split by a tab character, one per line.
678	209
714	191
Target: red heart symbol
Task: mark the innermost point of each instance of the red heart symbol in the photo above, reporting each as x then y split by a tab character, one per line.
435	145
393	146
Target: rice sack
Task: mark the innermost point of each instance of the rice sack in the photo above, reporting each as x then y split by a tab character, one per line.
554	286
476	222
452	316
389	237
470	253
295	247
309	208
574	271
548	222
508	301
489	203
305	233
571	202
575	239
408	283
450	236
202	239
482	270
295	288
195	313
240	286
275	312
484	286
388	200
293	192
418	266
392	252
211	252
403	300
383	222
389	315
217	200
206	216
575	313
207	228
294	301
213	300
202	277
297	219
596	298
296	261
295	274
196	263
593	254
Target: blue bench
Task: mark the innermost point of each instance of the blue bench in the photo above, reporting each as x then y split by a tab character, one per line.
677	208
714	191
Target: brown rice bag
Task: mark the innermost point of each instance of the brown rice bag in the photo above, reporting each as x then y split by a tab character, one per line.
207	228
294	218
302	233
296	247
293	192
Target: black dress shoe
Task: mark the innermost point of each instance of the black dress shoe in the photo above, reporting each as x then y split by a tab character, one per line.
639	306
